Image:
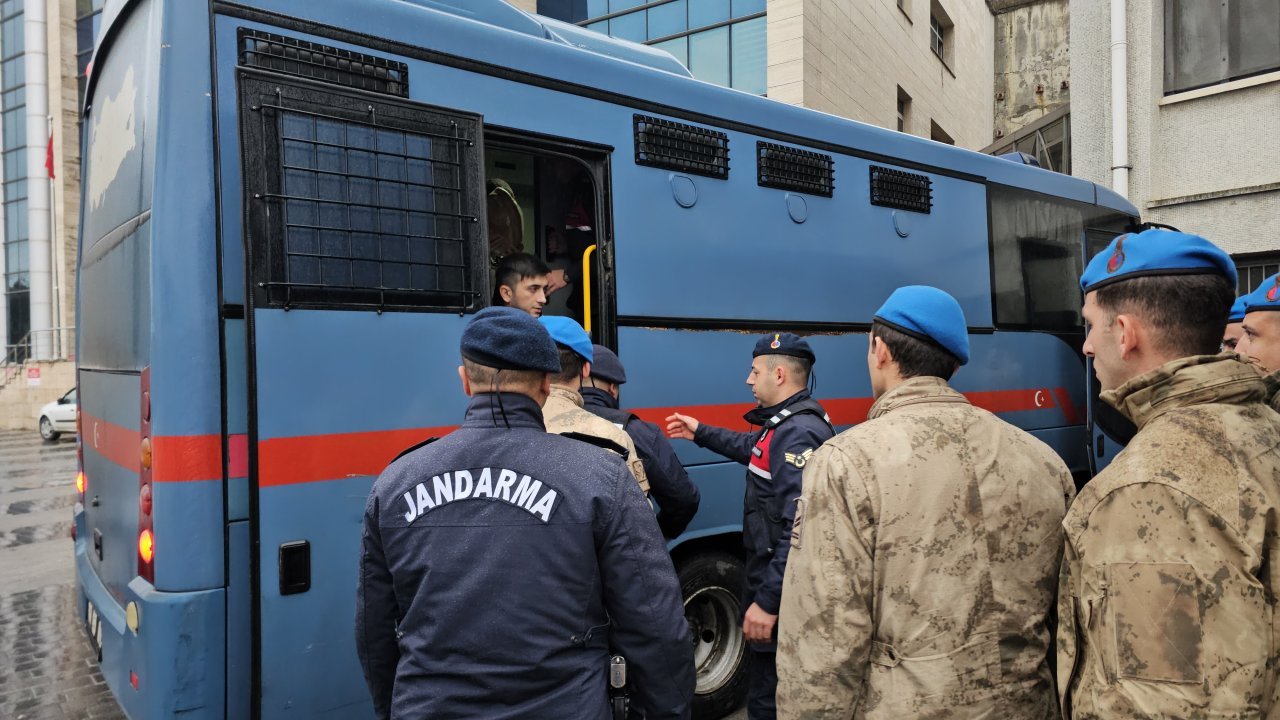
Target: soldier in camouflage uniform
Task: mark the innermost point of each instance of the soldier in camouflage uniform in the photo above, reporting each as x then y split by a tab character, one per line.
563	411
1260	333
926	547
1171	569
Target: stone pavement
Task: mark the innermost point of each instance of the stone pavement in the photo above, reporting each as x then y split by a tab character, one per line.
47	669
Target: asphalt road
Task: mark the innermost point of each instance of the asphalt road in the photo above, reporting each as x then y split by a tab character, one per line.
48	670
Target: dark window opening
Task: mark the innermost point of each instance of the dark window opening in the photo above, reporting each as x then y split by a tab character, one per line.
685	148
550	201
1038	247
1206	43
360	202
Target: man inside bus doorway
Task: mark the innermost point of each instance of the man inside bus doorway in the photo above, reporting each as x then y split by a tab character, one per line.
1166	602
501	563
792	425
925	553
523	282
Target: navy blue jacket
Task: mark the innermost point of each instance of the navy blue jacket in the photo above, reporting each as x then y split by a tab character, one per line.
669	484
769	507
500	566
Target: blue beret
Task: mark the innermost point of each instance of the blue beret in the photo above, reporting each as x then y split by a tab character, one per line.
1266	297
1237	310
1156	252
607	366
509	339
784	344
566	331
929	314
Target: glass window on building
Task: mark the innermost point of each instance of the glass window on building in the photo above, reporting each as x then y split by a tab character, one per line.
88	23
13	147
720	41
1253	268
1048	140
1206	43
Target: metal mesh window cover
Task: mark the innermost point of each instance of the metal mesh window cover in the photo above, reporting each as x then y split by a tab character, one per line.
360	205
788	168
677	146
901	190
323	62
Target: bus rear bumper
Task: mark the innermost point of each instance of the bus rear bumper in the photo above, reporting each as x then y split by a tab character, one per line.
176	656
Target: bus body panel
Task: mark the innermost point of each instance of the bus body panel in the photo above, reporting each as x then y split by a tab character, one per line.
297	415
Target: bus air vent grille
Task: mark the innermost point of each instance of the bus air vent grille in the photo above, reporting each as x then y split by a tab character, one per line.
322	62
788	168
901	190
686	148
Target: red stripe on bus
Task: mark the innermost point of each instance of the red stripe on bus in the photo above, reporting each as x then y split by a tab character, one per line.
116	443
315	458
288	461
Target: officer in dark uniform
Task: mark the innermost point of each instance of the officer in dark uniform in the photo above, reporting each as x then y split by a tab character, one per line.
669	484
792	425
501	562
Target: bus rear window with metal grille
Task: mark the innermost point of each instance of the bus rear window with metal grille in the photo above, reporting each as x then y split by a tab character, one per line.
323	62
788	168
356	204
685	148
901	190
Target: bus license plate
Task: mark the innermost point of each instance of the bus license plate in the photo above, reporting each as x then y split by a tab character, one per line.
93	622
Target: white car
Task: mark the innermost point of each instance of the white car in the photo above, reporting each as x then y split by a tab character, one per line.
58	416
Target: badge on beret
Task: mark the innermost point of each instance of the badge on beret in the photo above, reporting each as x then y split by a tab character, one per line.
799	459
777	343
1117	258
1271	294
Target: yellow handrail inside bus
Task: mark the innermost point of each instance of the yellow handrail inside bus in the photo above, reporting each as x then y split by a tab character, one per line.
586	288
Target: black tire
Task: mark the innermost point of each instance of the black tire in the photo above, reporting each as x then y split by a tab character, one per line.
46	429
711	584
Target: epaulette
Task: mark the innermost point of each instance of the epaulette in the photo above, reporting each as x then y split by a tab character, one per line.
599	442
411	448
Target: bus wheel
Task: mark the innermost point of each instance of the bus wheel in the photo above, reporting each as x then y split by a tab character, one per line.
710	584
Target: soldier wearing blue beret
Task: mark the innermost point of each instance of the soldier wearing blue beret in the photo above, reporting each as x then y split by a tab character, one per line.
1169	549
792	425
1260	333
501	563
927	545
669	483
1235	325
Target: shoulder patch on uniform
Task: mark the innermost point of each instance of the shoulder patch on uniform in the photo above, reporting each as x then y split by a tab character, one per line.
799	459
411	448
599	442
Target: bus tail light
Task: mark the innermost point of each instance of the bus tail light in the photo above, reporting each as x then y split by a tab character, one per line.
133	679
80	484
146	505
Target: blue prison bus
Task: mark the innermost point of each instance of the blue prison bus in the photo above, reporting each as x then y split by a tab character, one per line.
291	208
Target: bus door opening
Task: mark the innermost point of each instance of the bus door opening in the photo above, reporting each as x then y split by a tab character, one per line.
550	200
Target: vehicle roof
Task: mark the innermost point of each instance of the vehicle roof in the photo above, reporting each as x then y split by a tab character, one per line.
503	37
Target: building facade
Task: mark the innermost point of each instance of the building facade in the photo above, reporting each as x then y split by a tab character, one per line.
39	104
1201	120
921	66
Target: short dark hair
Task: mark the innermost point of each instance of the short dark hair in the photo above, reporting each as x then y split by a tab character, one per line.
516	267
571	364
915	357
797	367
487	379
1188	311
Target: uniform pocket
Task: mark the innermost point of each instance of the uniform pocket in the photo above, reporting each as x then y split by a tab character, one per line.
1155	612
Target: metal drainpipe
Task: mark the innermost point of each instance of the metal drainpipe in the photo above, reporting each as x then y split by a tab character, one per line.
1119	100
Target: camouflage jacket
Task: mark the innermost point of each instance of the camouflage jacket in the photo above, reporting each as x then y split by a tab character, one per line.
1170	573
564	413
1272	382
923	566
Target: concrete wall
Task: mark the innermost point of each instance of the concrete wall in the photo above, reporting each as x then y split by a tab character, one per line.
1032	61
849	58
1206	161
20	402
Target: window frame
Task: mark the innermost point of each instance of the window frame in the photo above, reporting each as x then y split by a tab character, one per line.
1226	50
262	167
